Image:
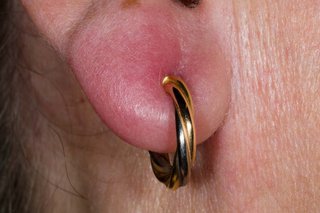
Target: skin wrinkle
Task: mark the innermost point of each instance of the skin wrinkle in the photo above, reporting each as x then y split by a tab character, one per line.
282	109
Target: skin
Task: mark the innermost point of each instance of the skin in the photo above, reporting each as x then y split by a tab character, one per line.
258	129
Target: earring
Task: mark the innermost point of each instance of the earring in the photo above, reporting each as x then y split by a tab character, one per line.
177	174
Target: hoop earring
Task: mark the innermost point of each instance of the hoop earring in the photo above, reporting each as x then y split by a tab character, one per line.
177	174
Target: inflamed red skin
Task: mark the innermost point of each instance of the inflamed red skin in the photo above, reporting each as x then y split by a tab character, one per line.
121	51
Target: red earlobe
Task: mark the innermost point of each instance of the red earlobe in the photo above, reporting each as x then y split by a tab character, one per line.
120	56
120	61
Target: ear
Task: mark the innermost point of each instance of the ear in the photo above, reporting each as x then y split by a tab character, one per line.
121	50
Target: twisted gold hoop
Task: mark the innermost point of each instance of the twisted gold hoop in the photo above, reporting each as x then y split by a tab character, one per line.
178	174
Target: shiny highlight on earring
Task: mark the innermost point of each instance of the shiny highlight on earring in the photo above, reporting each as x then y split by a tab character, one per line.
177	174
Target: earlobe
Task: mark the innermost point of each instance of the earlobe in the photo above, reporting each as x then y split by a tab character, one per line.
120	56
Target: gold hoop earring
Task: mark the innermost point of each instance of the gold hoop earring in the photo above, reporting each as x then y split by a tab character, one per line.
177	174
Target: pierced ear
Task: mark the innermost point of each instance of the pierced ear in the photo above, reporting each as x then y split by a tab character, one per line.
120	56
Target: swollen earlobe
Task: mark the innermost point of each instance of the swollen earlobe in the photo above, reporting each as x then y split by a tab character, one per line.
120	61
120	56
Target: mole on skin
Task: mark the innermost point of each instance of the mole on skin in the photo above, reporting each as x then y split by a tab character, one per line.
130	3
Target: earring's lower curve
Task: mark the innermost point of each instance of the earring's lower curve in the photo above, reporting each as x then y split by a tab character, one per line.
177	174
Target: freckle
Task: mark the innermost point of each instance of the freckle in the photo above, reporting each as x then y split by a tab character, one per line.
129	3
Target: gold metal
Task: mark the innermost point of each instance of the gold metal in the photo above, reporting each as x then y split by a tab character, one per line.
177	174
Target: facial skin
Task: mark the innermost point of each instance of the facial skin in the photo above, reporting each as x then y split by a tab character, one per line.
253	70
